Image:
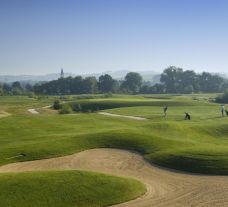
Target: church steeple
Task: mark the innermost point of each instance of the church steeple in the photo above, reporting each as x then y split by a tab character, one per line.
62	73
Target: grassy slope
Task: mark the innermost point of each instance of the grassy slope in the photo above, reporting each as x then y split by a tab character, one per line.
66	189
200	145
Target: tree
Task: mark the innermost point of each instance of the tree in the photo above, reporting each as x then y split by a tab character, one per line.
76	86
106	84
188	89
132	82
28	87
1	90
6	89
16	88
158	88
155	89
176	80
172	79
190	82
16	85
145	89
89	85
210	83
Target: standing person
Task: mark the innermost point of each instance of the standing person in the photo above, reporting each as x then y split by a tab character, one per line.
222	109
165	109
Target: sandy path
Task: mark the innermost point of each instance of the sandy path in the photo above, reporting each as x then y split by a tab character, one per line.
165	188
4	114
117	115
33	111
47	107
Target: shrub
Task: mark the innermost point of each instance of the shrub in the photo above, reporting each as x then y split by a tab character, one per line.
66	109
56	105
108	95
223	98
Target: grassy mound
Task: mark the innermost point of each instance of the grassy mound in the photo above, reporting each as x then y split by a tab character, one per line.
103	104
199	145
66	189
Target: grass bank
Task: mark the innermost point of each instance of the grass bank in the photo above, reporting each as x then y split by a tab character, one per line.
66	189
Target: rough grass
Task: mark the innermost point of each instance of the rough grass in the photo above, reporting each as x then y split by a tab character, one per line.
66	189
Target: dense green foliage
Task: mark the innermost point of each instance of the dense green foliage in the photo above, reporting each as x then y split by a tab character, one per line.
199	145
79	85
223	98
176	80
172	80
66	189
107	84
132	83
69	85
16	89
56	105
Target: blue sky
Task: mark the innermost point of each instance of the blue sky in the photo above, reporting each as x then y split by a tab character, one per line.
85	36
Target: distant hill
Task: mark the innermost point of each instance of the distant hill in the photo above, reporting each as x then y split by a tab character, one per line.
30	78
119	75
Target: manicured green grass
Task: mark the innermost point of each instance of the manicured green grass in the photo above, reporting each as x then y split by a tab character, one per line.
66	189
112	103
199	145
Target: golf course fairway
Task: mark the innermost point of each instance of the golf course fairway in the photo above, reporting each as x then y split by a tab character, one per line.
168	149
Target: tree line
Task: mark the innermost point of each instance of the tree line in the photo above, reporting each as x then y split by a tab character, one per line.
176	80
16	88
172	80
89	85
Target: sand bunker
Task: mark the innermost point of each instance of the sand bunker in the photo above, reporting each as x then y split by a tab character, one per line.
165	188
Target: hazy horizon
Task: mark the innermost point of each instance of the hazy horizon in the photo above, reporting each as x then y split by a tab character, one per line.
94	36
100	72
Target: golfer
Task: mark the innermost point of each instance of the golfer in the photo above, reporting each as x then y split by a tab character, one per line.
165	109
222	109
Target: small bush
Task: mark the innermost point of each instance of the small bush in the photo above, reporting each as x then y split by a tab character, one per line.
223	98
56	105
66	109
108	95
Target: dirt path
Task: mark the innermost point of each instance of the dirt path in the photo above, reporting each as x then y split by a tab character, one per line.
117	115
47	107
165	188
